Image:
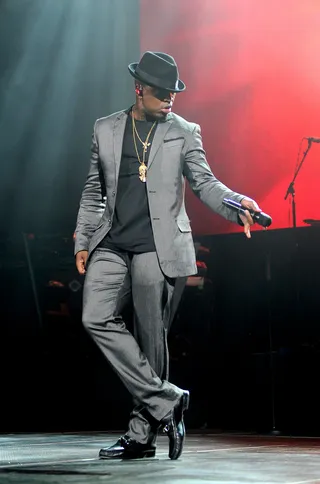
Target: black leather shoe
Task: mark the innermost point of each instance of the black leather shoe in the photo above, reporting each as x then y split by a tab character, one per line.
173	426
127	448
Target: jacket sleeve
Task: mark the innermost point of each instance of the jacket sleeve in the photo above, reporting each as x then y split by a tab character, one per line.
93	200
202	181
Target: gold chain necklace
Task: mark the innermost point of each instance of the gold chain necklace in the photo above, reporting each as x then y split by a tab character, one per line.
142	168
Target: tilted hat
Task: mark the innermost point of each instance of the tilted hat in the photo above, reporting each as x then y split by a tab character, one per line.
157	69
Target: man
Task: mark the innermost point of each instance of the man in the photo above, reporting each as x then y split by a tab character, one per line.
133	236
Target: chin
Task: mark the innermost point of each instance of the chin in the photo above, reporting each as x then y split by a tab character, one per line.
156	114
161	115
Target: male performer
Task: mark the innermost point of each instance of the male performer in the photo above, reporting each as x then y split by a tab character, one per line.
133	236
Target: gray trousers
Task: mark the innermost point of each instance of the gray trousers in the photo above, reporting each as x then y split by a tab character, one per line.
140	360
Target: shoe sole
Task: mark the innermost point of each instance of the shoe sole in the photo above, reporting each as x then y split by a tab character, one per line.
147	454
141	455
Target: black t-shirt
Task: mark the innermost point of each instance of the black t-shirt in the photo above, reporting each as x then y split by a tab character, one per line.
131	228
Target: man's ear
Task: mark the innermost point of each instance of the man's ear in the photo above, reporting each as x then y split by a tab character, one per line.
139	90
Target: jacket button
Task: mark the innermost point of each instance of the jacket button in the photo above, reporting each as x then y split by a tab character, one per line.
113	194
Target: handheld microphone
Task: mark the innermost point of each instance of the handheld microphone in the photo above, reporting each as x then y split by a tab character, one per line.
260	218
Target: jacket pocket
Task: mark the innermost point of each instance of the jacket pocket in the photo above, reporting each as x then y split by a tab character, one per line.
184	225
171	140
170	143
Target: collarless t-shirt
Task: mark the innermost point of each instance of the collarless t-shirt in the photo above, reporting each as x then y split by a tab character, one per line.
131	229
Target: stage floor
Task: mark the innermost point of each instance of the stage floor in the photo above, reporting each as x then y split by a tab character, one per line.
209	458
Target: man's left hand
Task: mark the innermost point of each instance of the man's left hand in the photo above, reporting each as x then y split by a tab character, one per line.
247	220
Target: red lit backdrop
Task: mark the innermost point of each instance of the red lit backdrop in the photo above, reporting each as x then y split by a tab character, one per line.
253	84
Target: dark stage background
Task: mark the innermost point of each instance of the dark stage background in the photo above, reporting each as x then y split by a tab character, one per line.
246	343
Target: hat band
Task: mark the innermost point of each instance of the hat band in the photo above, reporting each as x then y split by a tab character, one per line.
154	80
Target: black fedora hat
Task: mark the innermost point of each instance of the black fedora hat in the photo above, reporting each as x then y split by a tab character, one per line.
157	69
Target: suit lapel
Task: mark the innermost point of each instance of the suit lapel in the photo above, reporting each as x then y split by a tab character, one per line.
118	133
159	135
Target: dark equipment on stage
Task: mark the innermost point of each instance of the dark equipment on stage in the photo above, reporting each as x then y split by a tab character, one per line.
260	218
312	222
291	189
313	140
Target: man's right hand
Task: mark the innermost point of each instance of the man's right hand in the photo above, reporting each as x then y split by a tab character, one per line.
81	260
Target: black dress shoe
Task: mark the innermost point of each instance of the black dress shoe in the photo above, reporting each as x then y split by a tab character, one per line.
127	448
174	426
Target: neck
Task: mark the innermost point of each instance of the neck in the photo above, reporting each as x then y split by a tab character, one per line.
138	112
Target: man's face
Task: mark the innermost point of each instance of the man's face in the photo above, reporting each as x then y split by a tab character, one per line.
157	102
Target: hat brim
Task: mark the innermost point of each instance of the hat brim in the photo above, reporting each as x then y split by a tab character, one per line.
132	69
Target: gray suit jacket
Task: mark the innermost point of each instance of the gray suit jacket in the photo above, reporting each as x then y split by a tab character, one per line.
176	154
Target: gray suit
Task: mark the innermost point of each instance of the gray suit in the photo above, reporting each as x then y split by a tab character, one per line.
176	154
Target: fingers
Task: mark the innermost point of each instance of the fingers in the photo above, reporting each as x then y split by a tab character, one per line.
249	219
81	269
81	261
255	207
250	205
247	222
81	265
246	219
247	231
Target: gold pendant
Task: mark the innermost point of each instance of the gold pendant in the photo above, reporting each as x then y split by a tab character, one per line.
143	172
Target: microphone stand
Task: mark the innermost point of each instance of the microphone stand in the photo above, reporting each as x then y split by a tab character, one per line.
291	190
